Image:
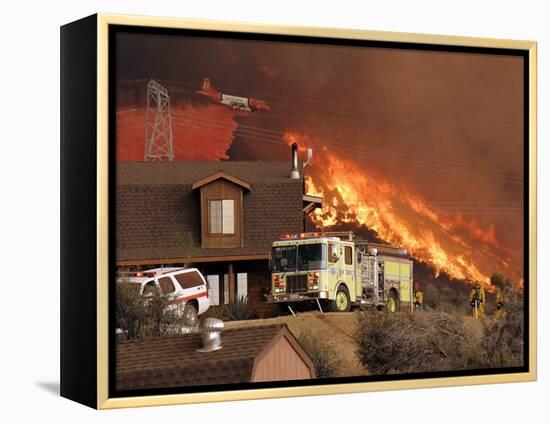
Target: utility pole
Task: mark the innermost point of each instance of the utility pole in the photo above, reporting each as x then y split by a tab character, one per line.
158	124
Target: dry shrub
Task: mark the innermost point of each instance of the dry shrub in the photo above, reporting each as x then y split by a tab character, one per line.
141	316
237	310
504	336
410	342
323	354
130	310
436	341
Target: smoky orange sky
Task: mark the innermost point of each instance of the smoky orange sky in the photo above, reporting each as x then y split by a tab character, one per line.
442	127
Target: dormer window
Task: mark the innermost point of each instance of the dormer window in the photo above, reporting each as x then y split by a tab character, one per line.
222	217
222	214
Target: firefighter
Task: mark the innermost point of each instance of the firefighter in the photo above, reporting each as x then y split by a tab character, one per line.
418	297
500	312
477	300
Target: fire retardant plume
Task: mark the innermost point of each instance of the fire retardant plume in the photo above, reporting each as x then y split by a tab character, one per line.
199	133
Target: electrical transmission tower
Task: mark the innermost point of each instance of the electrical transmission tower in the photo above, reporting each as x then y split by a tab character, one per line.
158	124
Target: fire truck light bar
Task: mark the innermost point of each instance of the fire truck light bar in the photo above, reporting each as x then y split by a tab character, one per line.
302	235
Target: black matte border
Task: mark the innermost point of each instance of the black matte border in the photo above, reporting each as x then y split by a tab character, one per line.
114	29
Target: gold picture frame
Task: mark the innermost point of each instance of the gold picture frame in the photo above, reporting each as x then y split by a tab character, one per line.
100	359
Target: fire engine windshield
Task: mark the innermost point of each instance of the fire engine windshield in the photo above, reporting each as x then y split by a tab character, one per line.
312	257
284	258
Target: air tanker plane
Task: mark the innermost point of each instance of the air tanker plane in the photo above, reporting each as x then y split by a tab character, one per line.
237	103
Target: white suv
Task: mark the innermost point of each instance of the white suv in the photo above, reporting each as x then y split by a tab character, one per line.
186	287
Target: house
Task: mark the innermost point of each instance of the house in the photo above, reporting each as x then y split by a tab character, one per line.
219	216
250	354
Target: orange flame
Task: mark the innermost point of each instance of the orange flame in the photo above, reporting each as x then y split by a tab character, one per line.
355	195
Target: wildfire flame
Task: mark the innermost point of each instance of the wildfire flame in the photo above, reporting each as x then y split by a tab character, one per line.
356	195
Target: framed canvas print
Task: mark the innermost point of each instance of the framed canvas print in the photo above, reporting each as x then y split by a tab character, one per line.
258	211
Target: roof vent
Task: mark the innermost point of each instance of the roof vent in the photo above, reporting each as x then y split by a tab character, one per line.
211	330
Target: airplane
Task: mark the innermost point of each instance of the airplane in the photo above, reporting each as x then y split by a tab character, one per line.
237	103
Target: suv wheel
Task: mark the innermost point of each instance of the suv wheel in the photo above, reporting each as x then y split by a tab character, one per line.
190	315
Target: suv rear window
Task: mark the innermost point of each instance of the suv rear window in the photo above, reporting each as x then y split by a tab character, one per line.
149	288
166	285
189	279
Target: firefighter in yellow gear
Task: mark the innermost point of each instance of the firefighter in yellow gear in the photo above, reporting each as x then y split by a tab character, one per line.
477	300
500	312
418	297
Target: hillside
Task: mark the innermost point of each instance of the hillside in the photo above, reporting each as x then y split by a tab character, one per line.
338	330
334	329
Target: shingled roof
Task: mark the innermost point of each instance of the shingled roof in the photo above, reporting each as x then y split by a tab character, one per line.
175	362
158	212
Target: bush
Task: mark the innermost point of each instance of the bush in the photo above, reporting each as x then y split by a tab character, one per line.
217	312
237	310
409	342
437	341
324	356
504	335
163	318
141	316
130	310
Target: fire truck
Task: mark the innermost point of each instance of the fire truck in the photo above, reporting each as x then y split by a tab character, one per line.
333	270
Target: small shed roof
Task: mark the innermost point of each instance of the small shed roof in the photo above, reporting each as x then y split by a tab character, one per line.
175	362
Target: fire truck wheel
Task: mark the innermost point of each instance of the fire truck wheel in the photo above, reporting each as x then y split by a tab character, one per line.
392	304
190	315
342	302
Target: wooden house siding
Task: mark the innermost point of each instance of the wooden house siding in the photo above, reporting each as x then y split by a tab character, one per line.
281	362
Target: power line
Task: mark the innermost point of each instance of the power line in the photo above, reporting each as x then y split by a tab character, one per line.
280	134
266	135
366	153
334	108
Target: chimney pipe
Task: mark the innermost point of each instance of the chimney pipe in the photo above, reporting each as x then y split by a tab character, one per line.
211	330
294	173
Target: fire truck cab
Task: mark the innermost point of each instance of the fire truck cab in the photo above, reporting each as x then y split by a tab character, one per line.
326	267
